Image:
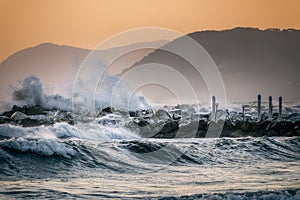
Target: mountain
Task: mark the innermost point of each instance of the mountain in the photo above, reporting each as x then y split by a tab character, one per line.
57	65
251	61
50	62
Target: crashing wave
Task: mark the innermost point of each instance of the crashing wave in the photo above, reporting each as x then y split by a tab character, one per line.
30	93
44	147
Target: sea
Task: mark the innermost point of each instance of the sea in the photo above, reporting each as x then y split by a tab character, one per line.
93	161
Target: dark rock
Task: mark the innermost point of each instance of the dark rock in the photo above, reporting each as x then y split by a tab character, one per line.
18	116
25	116
143	123
239	133
28	122
285	128
27	110
108	110
202	125
259	129
62	116
132	113
201	133
297	132
69	119
176	117
202	129
4	119
169	130
274	129
162	114
245	126
228	129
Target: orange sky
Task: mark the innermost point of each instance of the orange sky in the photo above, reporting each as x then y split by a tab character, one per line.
85	23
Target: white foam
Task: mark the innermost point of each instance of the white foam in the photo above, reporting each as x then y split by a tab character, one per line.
97	132
86	131
45	147
43	140
58	130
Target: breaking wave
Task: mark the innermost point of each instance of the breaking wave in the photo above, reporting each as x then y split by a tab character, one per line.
30	92
123	149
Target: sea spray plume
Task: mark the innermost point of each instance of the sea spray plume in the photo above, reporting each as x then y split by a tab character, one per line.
106	90
117	92
30	93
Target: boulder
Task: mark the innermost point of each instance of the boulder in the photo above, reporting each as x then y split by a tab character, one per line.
245	126
202	129
27	110
143	123
18	116
228	129
162	114
169	130
30	122
239	133
63	116
4	119
108	110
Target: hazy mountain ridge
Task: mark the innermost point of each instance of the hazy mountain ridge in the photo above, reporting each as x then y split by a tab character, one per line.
58	64
45	60
250	60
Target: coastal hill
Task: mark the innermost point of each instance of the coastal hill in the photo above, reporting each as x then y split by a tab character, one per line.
56	65
251	61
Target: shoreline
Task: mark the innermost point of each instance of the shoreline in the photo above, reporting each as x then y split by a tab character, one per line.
160	125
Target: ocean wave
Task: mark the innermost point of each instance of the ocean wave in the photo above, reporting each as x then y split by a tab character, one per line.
88	131
58	130
153	151
97	132
212	151
288	194
44	147
117	149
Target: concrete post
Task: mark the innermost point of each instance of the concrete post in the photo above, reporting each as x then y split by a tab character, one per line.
259	107
270	108
280	109
216	112
213	112
243	107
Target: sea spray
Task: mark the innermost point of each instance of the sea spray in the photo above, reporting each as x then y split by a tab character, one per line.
95	93
30	93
